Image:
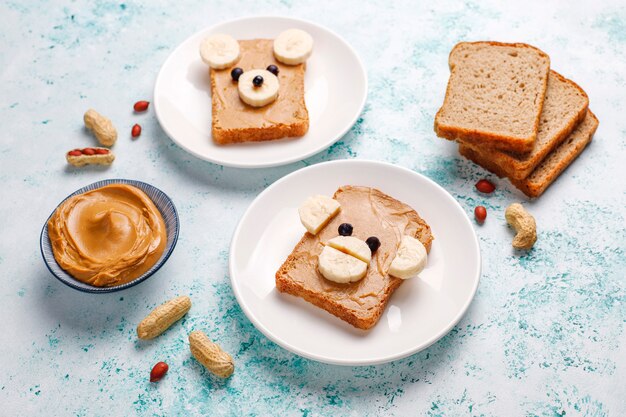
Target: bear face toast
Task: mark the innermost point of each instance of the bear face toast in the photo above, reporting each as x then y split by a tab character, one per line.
255	95
336	281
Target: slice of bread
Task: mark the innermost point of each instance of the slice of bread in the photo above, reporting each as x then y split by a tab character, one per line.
494	96
564	108
552	166
371	213
236	122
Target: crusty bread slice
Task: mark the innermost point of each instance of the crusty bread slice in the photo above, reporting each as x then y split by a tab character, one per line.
494	96
564	108
552	166
234	121
371	213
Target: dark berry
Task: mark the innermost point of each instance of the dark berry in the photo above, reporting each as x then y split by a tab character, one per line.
273	69
373	243
236	73
257	81
345	229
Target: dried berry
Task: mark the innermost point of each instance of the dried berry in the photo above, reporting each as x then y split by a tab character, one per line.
345	229
257	81
236	73
373	242
273	69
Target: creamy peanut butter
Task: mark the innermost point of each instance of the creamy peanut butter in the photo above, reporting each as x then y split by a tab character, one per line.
229	112
371	213
107	236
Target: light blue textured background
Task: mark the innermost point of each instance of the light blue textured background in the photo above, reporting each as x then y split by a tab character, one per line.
544	335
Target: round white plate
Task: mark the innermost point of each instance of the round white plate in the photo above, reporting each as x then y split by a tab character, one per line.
335	93
418	314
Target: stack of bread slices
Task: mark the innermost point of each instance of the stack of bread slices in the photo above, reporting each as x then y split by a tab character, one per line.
512	114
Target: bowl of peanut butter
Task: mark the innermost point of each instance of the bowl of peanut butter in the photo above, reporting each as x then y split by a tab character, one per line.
110	235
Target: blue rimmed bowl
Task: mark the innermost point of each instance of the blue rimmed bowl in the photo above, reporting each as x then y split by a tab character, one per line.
172	225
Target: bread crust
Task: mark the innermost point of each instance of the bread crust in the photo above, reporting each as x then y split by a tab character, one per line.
532	186
259	134
359	318
363	322
483	138
521	166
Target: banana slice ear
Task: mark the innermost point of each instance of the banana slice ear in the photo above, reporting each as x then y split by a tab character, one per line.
410	259
317	211
219	51
293	47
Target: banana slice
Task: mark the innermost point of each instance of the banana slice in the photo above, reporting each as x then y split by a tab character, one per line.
352	246
219	51
317	210
340	267
257	96
410	258
293	46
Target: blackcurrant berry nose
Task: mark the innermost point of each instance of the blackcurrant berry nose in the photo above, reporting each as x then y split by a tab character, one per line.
257	81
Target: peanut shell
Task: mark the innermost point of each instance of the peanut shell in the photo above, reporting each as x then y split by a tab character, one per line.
162	317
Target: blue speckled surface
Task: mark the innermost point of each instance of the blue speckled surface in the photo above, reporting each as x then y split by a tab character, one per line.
544	335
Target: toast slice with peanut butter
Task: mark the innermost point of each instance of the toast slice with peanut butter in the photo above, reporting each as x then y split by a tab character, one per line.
236	122
371	213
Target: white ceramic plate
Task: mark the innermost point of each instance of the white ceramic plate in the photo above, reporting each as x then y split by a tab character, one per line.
335	93
419	313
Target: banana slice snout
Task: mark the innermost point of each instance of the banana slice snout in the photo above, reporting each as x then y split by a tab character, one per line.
344	259
317	211
410	258
353	246
258	95
219	51
293	47
340	267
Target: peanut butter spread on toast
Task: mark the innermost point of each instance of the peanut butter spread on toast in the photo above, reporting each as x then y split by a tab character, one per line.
371	213
232	113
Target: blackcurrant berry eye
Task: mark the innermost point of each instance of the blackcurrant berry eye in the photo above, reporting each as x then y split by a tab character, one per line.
236	73
273	69
373	243
345	229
